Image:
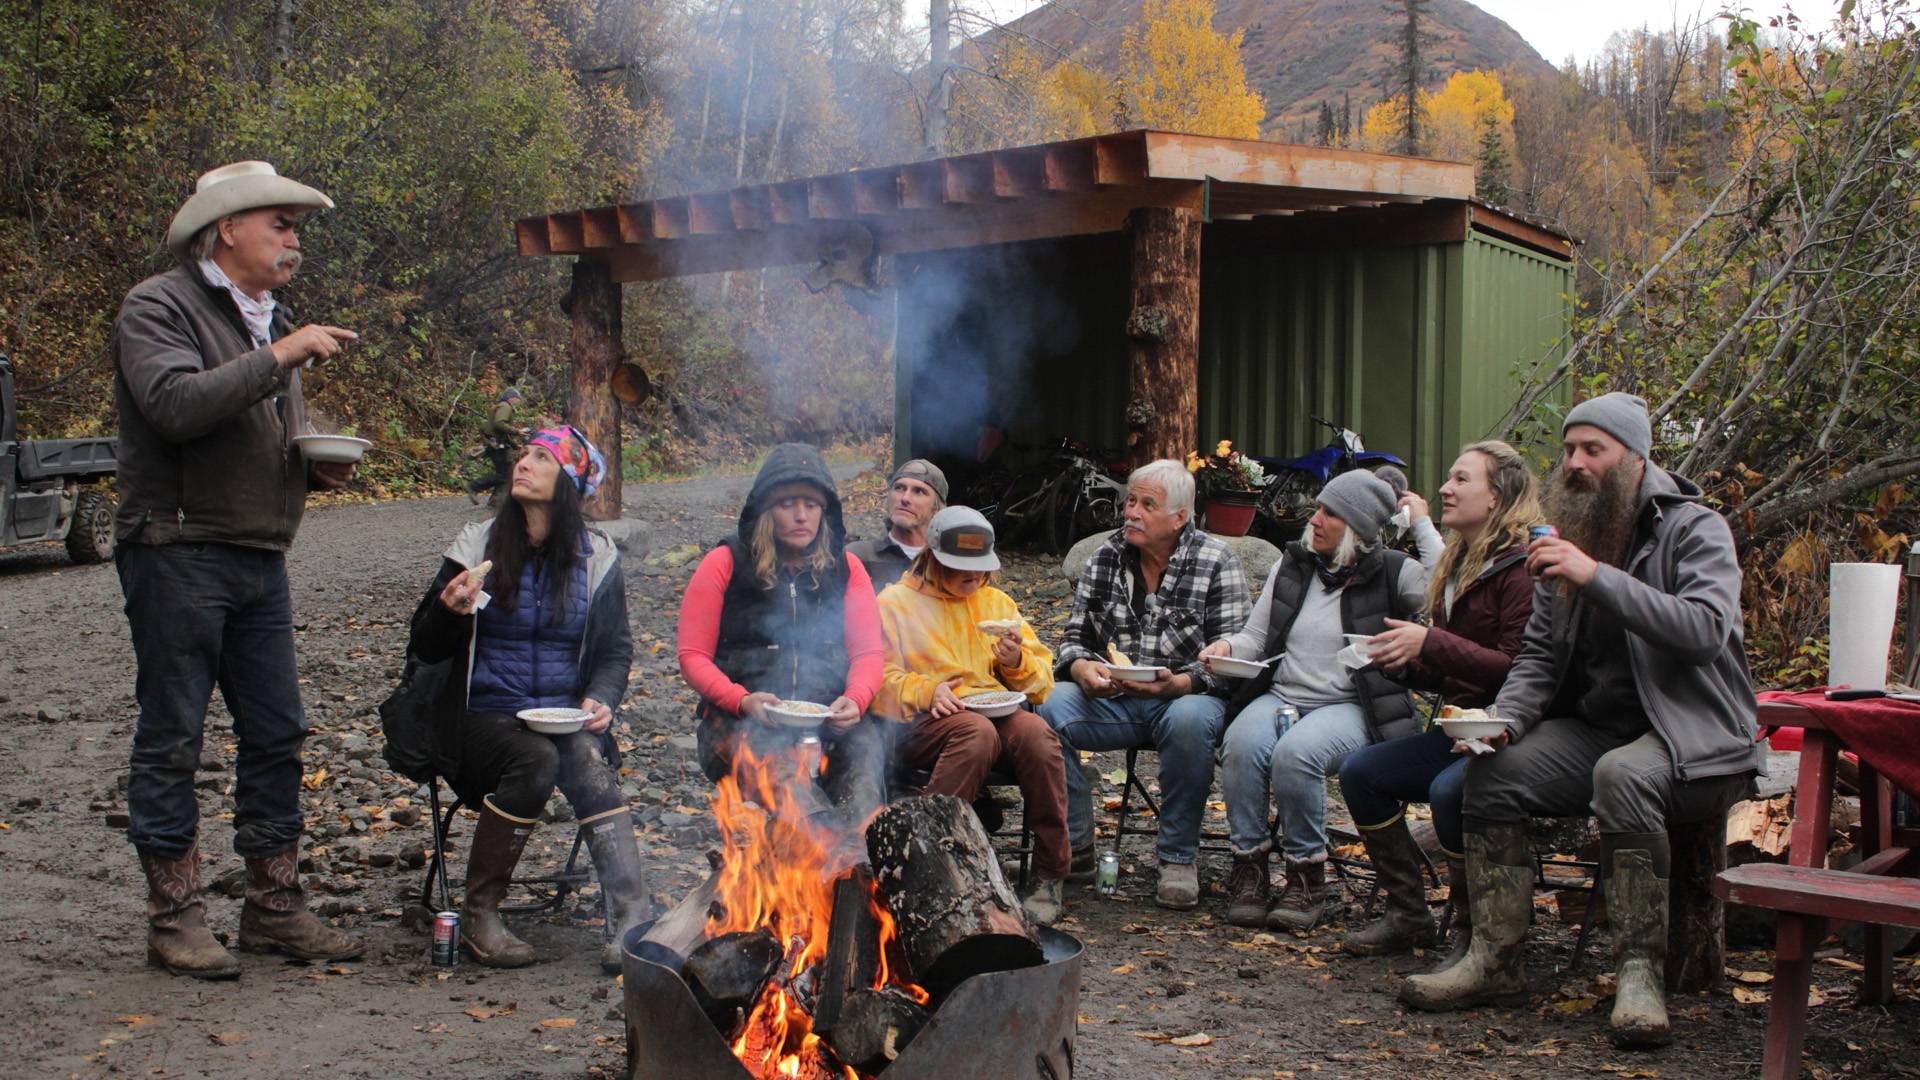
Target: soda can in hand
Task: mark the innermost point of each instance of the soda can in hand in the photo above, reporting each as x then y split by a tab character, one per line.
1541	532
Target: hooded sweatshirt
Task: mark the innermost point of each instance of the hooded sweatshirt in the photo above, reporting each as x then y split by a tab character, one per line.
932	636
738	636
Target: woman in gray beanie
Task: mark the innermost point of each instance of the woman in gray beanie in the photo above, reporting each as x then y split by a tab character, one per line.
1295	721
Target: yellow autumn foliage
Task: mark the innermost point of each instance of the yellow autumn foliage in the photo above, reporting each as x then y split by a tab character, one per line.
1452	121
1179	74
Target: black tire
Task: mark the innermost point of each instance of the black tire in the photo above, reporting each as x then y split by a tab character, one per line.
1285	504
1062	514
90	537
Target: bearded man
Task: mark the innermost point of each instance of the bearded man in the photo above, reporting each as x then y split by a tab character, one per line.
1630	700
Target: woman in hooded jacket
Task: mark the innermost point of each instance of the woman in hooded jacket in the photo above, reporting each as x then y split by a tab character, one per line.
780	612
550	632
1480	598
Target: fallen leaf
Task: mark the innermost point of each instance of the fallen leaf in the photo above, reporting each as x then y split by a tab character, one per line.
1123	969
1153	1036
1751	978
1198	1038
1353	1022
1843	962
558	1022
228	1038
134	1019
1746	996
482	1012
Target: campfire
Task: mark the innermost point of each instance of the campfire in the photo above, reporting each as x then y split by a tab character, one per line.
815	951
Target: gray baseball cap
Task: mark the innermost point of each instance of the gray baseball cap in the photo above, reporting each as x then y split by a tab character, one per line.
924	471
961	538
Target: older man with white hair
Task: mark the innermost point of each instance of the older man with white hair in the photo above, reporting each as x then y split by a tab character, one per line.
1158	590
212	487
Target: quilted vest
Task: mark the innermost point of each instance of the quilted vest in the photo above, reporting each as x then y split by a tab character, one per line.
788	640
525	658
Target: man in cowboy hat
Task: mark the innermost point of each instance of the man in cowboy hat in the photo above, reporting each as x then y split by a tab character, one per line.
212	486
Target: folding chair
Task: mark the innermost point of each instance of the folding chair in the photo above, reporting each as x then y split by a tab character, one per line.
550	890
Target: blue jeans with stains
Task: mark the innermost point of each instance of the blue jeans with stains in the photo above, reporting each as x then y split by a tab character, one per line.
206	616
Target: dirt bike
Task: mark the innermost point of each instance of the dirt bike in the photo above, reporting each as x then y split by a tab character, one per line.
1293	484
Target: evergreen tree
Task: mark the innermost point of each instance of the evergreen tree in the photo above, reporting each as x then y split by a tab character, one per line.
1490	168
1412	71
1328	133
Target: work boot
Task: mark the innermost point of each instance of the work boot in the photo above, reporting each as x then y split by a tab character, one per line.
1462	926
274	915
1046	902
497	842
1085	866
1179	888
1637	910
1405	924
1250	888
616	859
177	934
1304	899
1500	873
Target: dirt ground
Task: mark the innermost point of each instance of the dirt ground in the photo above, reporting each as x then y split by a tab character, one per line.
73	973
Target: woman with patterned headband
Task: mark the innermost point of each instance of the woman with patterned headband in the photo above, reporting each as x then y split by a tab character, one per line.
552	633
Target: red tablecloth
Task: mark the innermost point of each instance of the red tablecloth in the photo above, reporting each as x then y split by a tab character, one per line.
1883	732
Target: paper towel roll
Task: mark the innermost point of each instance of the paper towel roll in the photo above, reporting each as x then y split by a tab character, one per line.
1860	619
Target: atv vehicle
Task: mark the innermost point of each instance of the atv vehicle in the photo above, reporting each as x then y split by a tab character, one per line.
50	489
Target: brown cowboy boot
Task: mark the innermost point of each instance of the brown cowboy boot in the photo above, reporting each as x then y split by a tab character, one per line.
177	934
616	859
1304	899
274	915
1500	866
1637	908
1250	887
497	842
1405	924
1462	928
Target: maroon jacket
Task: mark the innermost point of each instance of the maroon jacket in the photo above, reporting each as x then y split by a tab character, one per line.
1467	653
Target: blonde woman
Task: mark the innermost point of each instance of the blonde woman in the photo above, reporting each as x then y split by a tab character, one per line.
1480	598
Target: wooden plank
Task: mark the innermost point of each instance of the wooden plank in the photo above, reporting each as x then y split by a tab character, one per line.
1525	233
1830	894
876	192
1068	167
789	203
636	223
563	234
530	236
600	227
1197	157
752	209
923	186
967	180
1122	160
1813	799
1018	173
1787	1009
830	198
670	218
709	214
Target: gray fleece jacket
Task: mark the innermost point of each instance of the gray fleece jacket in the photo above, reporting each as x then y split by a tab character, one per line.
1678	598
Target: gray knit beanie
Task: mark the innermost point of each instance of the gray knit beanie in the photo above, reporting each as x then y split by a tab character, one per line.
1621	415
1362	500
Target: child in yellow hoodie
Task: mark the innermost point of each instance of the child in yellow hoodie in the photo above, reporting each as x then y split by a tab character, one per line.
938	655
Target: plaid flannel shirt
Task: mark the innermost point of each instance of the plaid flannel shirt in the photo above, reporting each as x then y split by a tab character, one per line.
1202	598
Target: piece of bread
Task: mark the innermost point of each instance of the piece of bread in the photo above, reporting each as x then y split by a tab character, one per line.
479	573
1116	657
998	627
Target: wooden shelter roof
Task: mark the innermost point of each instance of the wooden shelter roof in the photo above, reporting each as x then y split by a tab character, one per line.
1073	188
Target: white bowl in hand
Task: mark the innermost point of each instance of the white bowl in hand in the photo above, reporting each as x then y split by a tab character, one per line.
1469	728
332	449
554	721
994	703
1233	668
1133	672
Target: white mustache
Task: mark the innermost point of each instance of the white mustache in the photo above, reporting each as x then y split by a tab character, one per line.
289	261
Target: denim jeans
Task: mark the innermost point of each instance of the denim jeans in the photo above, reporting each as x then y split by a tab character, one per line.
1379	781
207	615
1258	758
1183	731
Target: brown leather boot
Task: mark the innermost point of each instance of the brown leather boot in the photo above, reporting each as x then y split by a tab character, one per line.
497	843
1250	887
1304	899
177	934
1405	924
274	916
616	860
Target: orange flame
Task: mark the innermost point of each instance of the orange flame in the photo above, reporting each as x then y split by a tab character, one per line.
778	872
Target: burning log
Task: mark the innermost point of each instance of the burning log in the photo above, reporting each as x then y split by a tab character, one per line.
727	972
681	930
874	1027
853	947
956	914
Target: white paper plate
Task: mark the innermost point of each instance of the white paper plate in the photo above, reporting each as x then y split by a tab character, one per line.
1462	728
332	449
994	703
1133	674
553	721
1233	668
797	714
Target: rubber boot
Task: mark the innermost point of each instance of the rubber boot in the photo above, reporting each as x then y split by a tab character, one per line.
1637	909
1500	872
274	916
1406	923
1304	899
177	935
1250	887
497	842
1085	866
616	860
1461	929
1046	903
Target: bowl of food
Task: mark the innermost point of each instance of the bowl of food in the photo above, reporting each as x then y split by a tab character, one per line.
798	714
998	627
331	449
1467	724
554	721
994	703
1133	672
1234	668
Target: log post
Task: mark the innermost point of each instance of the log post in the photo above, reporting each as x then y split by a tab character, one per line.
1696	918
596	350
1163	333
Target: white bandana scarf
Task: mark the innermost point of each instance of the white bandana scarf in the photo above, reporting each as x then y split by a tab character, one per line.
257	314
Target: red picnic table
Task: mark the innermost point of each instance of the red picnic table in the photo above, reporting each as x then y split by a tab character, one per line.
1885	736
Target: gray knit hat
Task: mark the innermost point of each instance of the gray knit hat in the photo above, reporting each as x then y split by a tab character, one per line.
1621	415
1361	499
924	471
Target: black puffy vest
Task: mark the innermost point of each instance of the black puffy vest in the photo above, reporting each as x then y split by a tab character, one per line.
788	640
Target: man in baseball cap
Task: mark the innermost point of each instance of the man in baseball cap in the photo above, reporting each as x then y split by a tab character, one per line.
212	488
915	492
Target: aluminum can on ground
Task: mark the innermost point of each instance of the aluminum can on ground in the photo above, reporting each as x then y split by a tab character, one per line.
446	939
1106	880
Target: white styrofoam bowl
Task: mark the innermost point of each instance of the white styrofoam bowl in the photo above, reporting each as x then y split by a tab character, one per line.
995	703
332	449
553	721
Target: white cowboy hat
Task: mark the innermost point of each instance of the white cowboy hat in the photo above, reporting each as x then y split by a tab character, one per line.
231	189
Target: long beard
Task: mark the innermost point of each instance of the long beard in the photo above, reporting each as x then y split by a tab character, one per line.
1597	517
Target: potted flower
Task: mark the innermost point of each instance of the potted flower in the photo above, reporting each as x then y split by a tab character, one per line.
1228	483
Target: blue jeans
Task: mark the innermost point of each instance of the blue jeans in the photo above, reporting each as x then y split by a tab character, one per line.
1183	731
206	615
1381	779
1258	758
